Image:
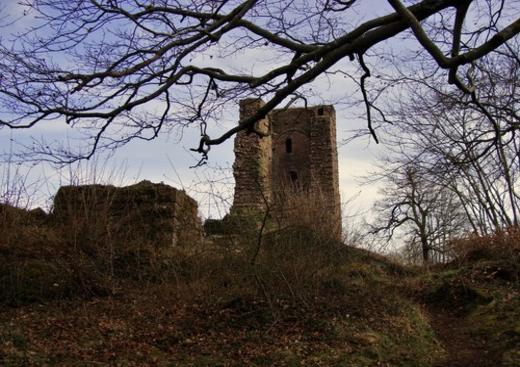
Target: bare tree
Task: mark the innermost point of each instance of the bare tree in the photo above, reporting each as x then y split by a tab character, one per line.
130	69
469	150
424	215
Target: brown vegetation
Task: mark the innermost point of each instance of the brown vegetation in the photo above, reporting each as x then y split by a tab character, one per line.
290	297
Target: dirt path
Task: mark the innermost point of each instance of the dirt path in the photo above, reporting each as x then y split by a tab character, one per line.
462	348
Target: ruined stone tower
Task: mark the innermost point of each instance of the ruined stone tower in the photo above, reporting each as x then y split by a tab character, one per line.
298	155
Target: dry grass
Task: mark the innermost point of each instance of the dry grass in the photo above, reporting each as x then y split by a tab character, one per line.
44	257
89	252
306	300
291	295
504	245
310	209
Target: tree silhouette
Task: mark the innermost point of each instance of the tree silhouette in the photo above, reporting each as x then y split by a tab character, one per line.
129	69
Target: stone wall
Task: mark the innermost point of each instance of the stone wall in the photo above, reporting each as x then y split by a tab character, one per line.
298	159
291	131
252	166
324	163
145	212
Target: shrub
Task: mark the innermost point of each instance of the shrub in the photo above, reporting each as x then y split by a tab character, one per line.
503	245
37	264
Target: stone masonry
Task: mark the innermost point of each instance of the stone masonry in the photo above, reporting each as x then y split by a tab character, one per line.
299	156
145	213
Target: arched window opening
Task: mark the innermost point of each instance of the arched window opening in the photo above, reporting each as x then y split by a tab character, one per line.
320	111
288	145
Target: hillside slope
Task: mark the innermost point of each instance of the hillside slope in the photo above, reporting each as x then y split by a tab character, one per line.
293	299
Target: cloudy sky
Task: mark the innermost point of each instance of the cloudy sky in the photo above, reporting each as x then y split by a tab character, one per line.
168	158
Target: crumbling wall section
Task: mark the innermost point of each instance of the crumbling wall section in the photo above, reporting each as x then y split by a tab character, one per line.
187	226
324	163
252	166
156	214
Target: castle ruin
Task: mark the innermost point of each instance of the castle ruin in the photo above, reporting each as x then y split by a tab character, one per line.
146	212
298	155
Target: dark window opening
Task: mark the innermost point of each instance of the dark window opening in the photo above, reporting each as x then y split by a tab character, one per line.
294	176
288	146
320	111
